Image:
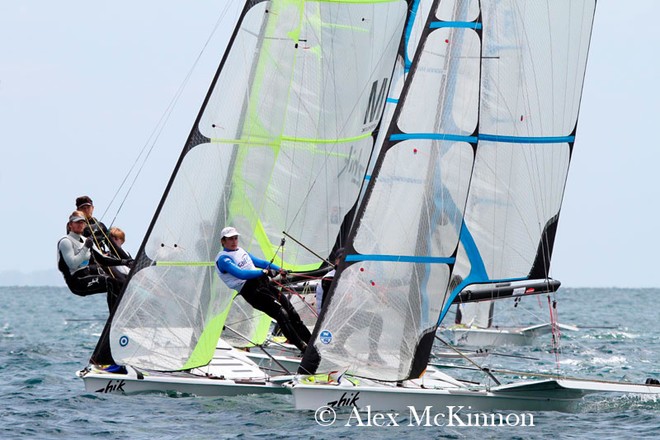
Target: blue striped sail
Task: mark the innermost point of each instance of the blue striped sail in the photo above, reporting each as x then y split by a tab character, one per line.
468	184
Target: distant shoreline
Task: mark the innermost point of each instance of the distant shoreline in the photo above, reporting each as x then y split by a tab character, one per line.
35	278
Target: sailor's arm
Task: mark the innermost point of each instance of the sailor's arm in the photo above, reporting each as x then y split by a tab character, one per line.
104	260
263	264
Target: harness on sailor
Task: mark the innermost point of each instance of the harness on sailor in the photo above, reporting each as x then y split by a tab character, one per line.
90	269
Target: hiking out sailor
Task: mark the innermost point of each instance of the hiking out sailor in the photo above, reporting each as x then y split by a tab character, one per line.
78	260
248	275
101	238
118	238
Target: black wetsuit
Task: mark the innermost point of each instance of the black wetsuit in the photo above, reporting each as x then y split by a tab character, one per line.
82	270
99	233
102	238
263	296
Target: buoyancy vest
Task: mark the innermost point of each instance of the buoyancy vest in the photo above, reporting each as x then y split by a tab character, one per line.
241	258
62	267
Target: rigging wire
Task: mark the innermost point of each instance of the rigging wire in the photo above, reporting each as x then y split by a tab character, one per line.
301	296
97	242
460	353
259	346
306	248
151	141
316	179
552	305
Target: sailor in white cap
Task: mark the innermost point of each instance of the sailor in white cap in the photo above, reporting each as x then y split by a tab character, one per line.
248	275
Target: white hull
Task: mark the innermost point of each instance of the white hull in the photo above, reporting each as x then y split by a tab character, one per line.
280	362
501	336
276	357
382	398
541	395
170	383
229	373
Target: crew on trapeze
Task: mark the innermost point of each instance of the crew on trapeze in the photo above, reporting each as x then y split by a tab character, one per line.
97	230
249	276
82	263
102	238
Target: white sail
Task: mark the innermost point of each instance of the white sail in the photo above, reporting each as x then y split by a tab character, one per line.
419	11
469	182
535	56
293	107
477	314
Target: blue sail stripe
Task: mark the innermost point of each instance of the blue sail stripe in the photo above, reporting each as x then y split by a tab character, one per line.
392	100
454	24
485	137
527	139
401	258
409	28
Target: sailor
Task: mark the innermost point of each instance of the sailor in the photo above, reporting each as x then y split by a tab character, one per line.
97	230
78	258
248	275
101	238
118	238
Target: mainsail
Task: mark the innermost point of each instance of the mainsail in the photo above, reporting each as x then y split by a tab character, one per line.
468	186
295	104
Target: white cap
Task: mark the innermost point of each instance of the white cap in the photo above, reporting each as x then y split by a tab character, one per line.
229	232
76	218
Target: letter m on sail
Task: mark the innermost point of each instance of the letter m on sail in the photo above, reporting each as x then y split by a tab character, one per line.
375	104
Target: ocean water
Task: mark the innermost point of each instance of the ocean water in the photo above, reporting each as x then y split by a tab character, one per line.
46	334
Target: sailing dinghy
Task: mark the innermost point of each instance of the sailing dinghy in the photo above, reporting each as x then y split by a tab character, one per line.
477	324
466	192
279	147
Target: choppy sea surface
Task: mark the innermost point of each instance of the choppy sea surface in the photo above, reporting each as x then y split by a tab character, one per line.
46	334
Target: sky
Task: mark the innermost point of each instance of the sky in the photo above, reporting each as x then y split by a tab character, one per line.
83	86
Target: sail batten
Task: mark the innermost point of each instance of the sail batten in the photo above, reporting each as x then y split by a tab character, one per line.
455	24
527	139
486	137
